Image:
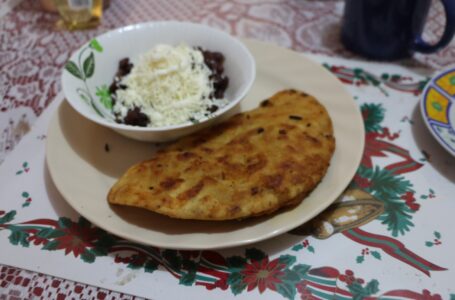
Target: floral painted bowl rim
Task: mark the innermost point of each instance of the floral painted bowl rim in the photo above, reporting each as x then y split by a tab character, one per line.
430	122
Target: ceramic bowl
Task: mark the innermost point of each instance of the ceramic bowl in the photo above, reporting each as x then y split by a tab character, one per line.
437	108
91	69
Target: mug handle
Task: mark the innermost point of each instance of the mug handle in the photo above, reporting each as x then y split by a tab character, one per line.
421	46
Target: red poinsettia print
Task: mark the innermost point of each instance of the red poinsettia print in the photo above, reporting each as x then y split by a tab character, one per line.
263	274
77	239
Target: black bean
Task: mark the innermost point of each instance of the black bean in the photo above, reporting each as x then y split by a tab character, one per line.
215	62
212	108
136	118
193	120
124	67
220	87
113	88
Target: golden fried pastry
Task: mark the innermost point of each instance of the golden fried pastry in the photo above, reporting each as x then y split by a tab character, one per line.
253	164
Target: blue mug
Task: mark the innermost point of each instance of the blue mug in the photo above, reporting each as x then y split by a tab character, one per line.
391	29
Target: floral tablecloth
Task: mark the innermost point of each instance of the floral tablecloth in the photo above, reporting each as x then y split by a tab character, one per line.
400	249
33	52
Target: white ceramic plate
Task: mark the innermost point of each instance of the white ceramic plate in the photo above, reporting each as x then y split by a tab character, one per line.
85	159
437	110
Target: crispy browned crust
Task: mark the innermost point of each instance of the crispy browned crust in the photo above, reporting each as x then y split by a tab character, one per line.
253	164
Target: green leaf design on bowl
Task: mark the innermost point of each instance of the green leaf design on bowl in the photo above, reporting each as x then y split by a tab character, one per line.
84	71
89	65
71	67
105	96
95	45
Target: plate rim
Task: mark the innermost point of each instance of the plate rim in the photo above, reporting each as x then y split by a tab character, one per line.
289	226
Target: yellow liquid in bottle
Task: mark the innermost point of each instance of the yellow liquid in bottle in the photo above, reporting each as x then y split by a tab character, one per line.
79	14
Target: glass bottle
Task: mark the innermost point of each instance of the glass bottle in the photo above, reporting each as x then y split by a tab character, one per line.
79	14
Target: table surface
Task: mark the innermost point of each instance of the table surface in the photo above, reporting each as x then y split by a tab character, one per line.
33	51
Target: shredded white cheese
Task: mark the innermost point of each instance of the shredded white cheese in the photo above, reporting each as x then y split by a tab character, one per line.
169	84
